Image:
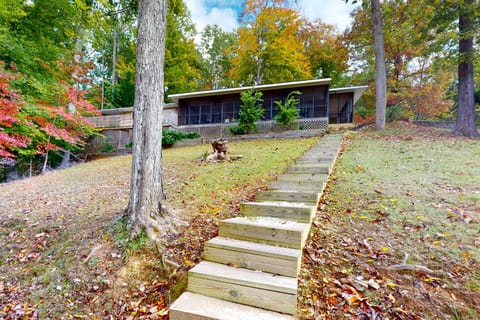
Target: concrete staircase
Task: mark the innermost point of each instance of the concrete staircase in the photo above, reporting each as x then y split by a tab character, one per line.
250	270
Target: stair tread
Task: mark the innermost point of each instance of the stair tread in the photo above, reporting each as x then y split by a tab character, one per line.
281	204
192	306
244	277
269	222
248	246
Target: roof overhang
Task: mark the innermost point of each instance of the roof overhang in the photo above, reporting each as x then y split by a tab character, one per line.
356	90
263	87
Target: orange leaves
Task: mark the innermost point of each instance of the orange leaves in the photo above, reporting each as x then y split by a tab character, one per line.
268	48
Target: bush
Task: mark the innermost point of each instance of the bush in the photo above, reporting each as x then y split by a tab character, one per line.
288	111
398	112
236	130
251	110
170	137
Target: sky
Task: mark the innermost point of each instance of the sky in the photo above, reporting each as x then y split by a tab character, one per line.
224	13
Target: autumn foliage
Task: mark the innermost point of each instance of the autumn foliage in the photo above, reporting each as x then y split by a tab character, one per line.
33	128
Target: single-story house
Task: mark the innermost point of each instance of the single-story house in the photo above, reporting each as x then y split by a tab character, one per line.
211	112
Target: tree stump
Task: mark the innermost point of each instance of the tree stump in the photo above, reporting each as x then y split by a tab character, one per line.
220	147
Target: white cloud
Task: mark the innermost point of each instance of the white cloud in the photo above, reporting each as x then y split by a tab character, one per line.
335	12
225	18
205	12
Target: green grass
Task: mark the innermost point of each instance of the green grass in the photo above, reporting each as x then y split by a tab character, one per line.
424	187
404	191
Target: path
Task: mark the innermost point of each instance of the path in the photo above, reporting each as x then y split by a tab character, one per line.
250	270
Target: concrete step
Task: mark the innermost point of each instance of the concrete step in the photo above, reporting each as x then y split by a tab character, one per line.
286	210
307	197
254	256
248	287
192	306
267	230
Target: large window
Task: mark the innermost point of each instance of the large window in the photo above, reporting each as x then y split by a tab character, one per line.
225	108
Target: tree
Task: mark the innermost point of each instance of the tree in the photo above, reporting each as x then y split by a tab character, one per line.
324	47
466	124
268	48
146	195
380	69
217	55
417	73
182	59
9	117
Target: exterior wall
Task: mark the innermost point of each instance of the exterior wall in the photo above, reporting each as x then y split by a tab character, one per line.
218	130
313	103
125	118
341	107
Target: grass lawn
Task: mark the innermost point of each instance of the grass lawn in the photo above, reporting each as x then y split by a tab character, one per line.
64	251
398	231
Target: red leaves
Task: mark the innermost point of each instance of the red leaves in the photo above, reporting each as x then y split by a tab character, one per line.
41	127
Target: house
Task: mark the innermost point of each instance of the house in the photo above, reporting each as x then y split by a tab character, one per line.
211	112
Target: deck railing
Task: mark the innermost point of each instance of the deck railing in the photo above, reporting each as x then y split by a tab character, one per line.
121	121
113	122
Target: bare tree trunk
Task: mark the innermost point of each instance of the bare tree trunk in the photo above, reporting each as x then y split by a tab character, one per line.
465	124
380	69
146	195
115	46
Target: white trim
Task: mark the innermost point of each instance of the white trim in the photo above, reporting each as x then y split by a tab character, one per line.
356	90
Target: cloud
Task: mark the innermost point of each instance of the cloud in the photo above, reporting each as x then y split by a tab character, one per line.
204	12
332	12
224	13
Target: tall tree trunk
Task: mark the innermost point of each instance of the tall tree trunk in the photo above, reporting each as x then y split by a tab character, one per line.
465	124
146	195
115	47
380	69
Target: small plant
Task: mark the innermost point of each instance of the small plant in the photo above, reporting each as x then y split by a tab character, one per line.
170	137
251	110
129	145
236	130
288	111
108	148
394	113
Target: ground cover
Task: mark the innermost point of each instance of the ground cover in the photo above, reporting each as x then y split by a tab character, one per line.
397	235
64	253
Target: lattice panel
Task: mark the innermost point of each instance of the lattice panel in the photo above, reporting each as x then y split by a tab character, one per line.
317	123
221	129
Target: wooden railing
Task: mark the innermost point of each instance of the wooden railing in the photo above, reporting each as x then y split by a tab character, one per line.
110	122
122	121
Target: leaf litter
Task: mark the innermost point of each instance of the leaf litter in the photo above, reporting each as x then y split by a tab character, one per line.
378	248
64	249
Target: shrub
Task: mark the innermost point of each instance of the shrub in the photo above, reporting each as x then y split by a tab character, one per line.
170	137
398	112
251	110
288	111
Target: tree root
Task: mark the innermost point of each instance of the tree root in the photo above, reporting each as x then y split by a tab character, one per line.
97	247
413	267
